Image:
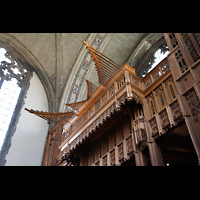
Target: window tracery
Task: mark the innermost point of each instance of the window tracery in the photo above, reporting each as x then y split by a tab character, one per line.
9	68
14	78
157	56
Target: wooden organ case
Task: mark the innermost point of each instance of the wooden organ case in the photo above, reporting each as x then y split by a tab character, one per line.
131	121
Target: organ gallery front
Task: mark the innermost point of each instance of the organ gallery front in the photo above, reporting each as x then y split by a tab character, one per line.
132	121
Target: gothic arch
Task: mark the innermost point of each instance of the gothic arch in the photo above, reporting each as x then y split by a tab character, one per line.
9	40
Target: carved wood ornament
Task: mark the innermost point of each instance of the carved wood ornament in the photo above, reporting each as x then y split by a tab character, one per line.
194	104
154	106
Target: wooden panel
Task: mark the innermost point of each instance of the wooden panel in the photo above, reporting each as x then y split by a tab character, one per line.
104	145
171	89
119	132
151	104
126	127
97	151
97	163
161	99
104	159
92	110
111	139
174	66
154	126
196	71
112	157
176	111
121	151
164	120
129	142
90	157
185	82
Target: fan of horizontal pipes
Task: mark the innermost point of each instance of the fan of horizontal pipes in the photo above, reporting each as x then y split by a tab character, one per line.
106	68
61	117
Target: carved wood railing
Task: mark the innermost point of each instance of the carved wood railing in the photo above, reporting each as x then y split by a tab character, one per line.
155	73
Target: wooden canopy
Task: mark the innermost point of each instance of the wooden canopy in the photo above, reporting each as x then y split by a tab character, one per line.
106	68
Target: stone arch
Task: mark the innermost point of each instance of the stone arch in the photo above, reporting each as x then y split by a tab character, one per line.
9	40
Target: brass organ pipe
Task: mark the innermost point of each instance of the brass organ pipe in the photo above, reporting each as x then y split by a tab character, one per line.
108	66
105	74
98	72
98	68
109	63
103	64
103	67
99	53
102	58
105	71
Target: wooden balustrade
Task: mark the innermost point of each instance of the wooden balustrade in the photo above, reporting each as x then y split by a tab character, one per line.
156	72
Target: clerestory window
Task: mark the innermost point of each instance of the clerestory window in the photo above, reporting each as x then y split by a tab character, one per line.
14	77
157	57
9	94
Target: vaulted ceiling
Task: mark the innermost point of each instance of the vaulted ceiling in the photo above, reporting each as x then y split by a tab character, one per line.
62	63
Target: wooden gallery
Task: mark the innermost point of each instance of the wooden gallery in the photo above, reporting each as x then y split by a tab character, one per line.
132	121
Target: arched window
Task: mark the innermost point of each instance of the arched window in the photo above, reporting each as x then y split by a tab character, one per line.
9	95
157	56
14	78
